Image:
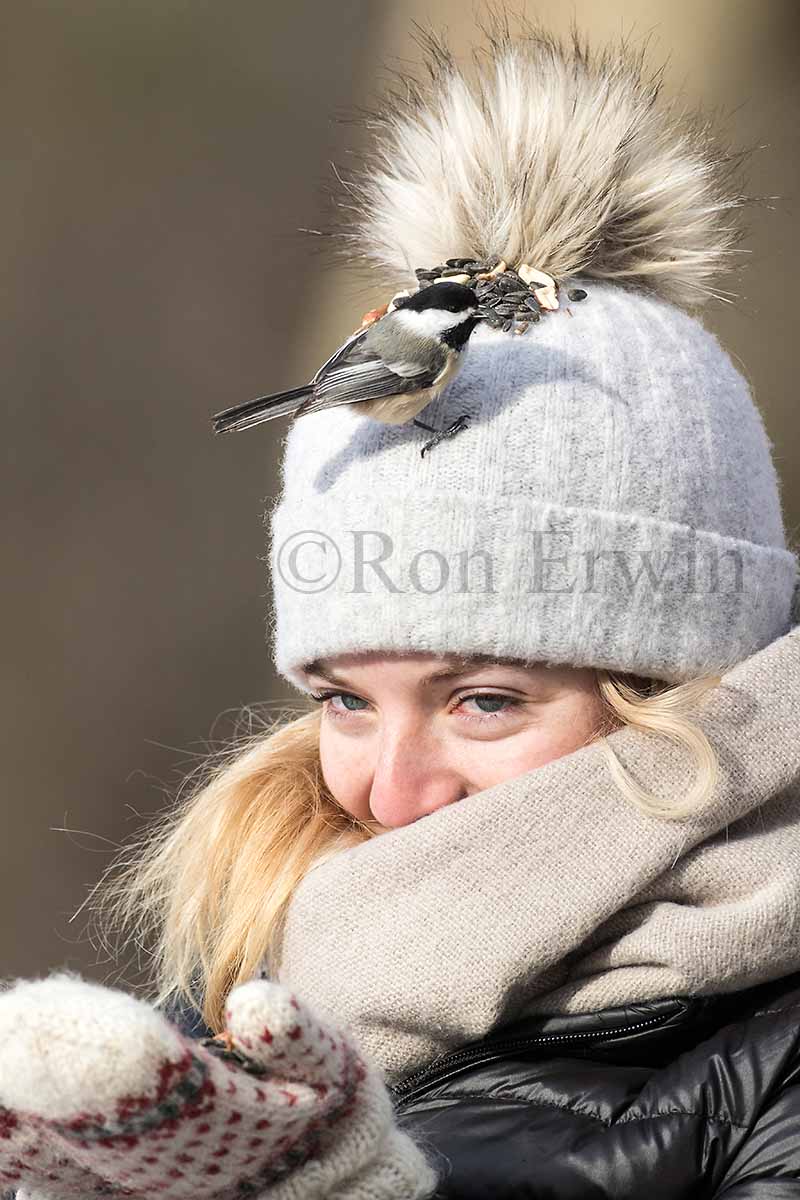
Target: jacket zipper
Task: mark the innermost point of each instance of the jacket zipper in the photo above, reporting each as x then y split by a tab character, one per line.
437	1072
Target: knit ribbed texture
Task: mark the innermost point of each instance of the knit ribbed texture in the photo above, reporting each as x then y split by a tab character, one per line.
101	1095
551	893
613	503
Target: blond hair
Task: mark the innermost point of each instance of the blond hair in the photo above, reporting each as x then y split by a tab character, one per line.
203	893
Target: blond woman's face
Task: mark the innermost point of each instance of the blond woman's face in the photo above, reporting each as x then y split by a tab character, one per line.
403	735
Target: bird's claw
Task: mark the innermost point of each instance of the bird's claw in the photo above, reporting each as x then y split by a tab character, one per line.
457	425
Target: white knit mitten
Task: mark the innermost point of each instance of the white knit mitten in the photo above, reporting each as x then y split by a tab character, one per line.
100	1095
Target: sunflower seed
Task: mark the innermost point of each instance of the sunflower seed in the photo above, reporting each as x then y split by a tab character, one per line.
532	303
460	263
535	278
547	297
576	294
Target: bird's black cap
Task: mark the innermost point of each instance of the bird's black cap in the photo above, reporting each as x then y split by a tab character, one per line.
452	297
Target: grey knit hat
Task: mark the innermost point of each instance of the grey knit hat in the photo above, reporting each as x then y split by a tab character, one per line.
613	501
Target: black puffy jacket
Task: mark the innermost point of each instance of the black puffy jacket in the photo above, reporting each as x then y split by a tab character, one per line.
663	1100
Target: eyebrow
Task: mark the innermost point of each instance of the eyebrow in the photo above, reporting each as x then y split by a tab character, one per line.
318	667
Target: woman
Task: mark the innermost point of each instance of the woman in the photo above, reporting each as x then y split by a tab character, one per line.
525	886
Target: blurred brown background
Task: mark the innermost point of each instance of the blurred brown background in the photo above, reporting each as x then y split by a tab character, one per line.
158	161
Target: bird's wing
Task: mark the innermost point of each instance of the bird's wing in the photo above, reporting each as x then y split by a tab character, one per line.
370	380
348	347
370	345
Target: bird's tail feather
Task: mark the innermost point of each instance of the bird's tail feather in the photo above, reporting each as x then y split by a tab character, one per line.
263	408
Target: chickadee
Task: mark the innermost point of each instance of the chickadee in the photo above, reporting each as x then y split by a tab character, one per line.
391	369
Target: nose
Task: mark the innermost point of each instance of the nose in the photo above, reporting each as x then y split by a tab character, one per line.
412	776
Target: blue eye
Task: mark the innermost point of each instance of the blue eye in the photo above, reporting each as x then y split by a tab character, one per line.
344	696
495	703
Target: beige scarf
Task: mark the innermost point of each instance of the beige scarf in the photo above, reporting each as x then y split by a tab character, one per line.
550	893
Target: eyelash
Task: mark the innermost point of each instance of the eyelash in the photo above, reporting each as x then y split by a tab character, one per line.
512	702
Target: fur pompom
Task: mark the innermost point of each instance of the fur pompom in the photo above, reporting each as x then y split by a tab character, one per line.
545	153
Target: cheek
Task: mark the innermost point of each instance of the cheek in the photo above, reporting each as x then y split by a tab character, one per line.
346	774
570	725
559	729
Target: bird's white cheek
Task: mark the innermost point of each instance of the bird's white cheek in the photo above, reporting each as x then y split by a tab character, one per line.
428	323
